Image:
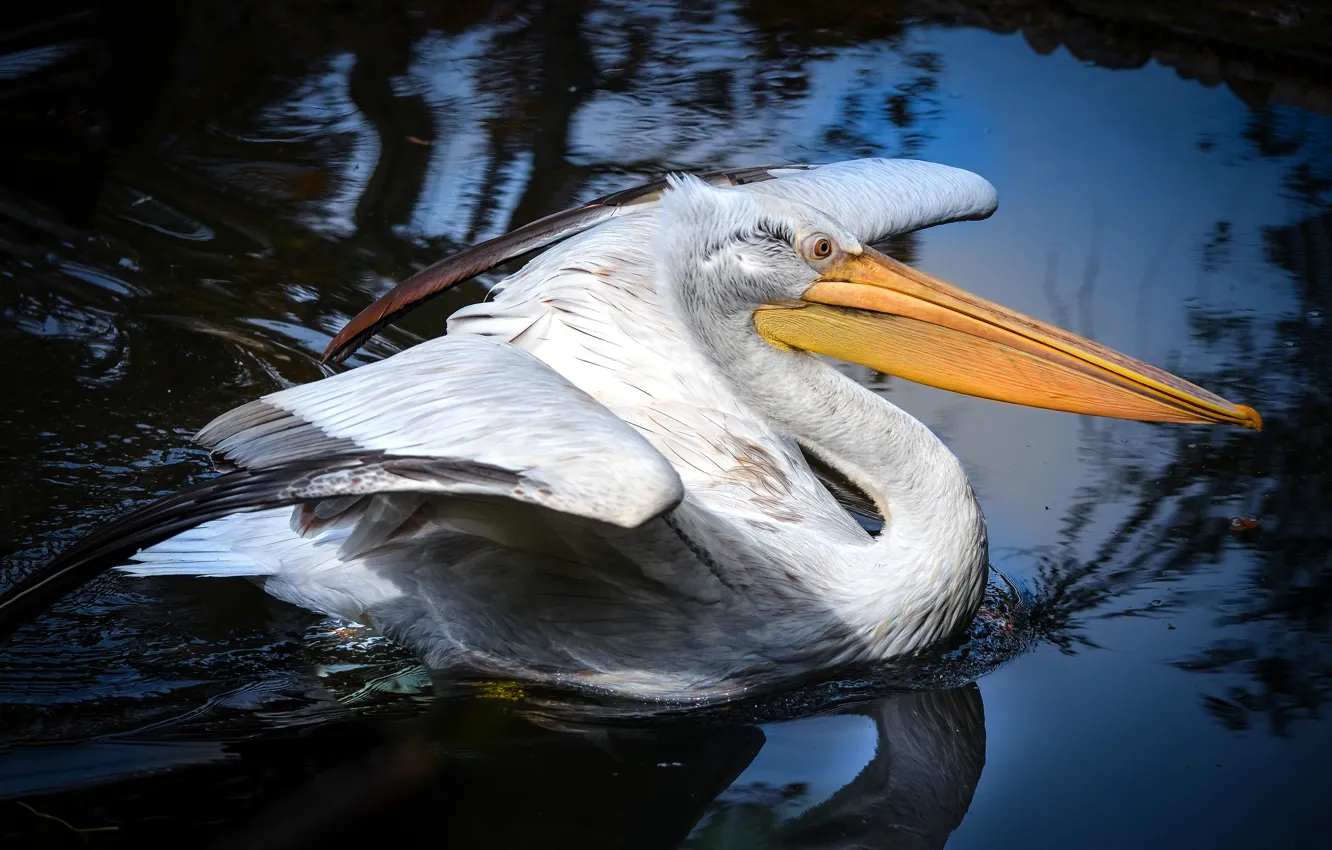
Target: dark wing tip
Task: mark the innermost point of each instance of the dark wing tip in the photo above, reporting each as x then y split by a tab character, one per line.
112	543
456	269
235	492
404	297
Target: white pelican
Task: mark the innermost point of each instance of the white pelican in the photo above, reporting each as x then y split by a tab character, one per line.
599	475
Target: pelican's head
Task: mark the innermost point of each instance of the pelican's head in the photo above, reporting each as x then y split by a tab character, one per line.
760	262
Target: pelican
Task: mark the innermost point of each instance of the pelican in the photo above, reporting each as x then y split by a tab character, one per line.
628	470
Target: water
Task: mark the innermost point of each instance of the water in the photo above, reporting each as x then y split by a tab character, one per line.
195	201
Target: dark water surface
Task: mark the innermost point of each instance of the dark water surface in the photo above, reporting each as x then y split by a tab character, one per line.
196	197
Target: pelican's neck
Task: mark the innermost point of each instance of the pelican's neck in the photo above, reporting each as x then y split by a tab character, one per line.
924	575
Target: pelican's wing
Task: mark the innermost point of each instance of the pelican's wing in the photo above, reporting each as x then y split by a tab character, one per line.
457	416
874	198
467	399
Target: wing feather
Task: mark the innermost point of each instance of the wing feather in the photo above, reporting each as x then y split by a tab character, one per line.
463	396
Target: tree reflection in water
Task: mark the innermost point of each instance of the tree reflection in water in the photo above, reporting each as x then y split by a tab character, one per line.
1181	516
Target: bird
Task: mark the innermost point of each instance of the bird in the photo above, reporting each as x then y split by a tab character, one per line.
632	468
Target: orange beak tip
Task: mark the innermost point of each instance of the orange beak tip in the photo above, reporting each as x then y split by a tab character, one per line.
1255	420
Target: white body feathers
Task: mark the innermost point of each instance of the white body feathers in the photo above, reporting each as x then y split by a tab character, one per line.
621	499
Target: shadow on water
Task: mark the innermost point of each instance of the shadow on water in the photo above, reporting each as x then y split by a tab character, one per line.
195	197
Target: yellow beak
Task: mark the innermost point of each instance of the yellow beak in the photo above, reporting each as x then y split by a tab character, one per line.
872	310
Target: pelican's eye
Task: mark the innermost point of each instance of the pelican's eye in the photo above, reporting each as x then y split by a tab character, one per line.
817	247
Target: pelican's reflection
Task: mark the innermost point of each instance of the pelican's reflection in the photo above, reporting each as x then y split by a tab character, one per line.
499	768
897	772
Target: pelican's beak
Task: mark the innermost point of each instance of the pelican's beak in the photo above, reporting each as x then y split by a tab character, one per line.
872	310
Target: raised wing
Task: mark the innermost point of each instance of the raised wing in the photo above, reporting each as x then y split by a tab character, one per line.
467	398
875	198
463	416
